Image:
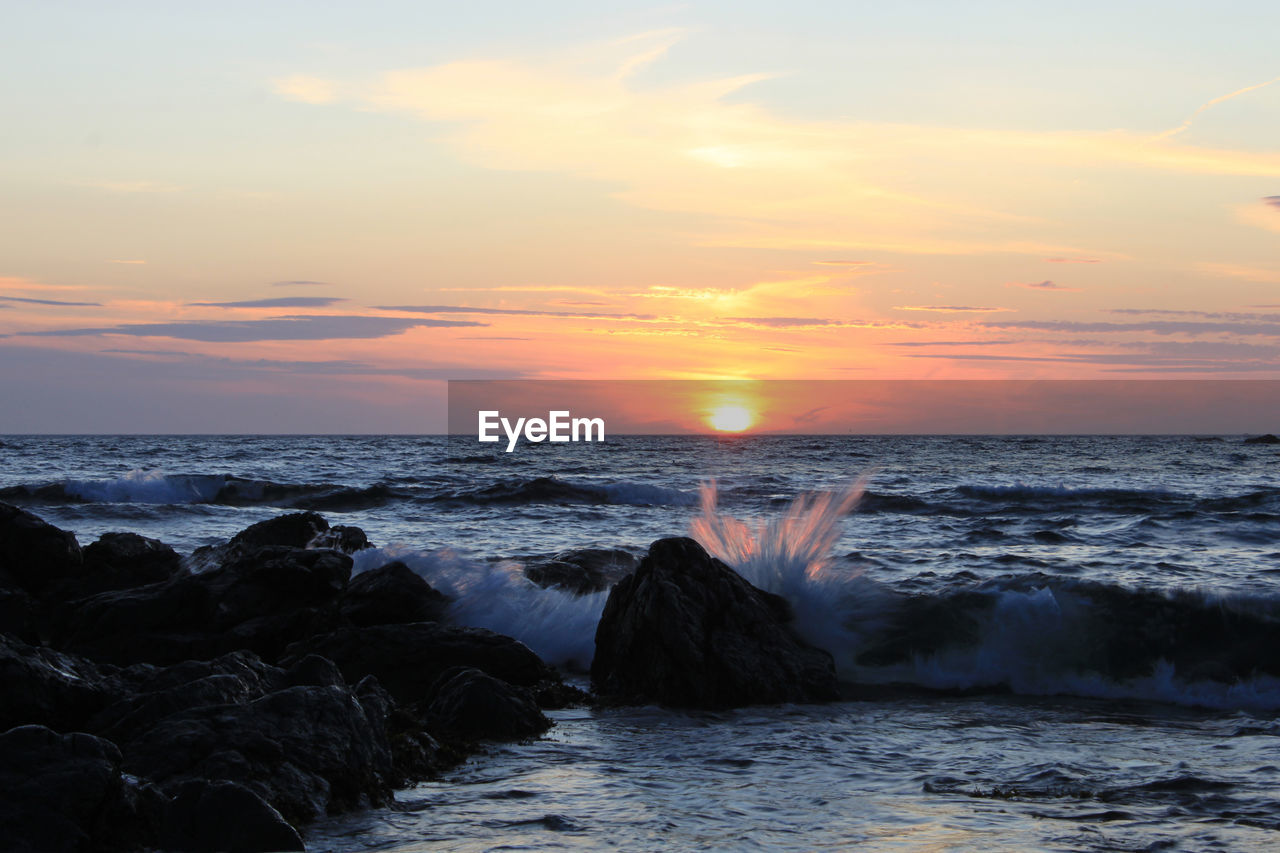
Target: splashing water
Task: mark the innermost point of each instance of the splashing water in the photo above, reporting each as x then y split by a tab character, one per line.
790	555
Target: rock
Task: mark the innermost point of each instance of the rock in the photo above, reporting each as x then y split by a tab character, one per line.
124	560
65	792
686	630
260	602
49	688
582	570
292	530
471	705
392	594
407	659
305	750
33	552
341	537
1263	439
223	817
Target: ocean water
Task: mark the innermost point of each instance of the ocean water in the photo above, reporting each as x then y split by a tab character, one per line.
967	593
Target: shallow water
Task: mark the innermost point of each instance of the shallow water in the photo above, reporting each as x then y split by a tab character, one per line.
909	774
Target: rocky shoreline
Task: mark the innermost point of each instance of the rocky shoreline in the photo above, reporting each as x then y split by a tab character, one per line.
148	699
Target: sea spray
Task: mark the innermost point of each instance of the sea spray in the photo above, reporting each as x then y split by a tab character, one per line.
557	625
790	555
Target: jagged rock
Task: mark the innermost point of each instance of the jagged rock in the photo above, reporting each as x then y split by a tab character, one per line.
65	792
223	817
42	686
390	595
34	553
686	630
123	560
1263	439
474	706
305	750
342	537
582	570
407	659
261	602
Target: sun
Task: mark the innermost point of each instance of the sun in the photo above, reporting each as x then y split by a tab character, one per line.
730	418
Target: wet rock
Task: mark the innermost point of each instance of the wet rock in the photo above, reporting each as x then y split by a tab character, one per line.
260	602
123	560
342	537
686	630
34	553
65	792
305	750
582	570
223	817
1263	439
407	659
40	685
471	705
291	530
392	594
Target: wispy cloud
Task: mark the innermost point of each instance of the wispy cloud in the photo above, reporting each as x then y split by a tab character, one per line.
300	283
127	262
305	89
58	302
1247	273
1158	327
1272	201
520	312
300	328
952	309
278	302
132	186
1073	260
1042	285
1208	104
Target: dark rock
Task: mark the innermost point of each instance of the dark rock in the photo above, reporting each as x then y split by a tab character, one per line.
686	630
260	602
43	686
407	659
582	570
292	530
65	792
392	594
1263	439
342	537
223	817
471	705
123	560
34	553
305	750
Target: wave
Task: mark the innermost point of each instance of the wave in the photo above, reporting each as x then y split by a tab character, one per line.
553	490
156	487
1032	634
557	625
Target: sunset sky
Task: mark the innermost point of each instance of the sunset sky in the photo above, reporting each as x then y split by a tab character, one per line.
303	217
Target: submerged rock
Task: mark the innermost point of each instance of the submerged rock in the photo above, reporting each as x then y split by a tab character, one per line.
392	594
686	630
582	570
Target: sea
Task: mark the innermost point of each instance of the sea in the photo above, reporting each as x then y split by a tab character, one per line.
988	720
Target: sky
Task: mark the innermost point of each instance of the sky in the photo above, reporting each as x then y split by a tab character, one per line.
306	217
